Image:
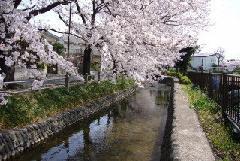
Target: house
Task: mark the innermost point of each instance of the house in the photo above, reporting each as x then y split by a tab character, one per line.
204	61
51	38
76	52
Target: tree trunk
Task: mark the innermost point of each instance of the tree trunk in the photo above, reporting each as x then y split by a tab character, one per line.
114	68
87	60
8	71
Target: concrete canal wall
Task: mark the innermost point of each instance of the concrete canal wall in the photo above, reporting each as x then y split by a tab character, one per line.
14	141
188	141
184	138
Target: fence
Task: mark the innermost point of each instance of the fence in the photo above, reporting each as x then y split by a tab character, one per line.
224	89
54	81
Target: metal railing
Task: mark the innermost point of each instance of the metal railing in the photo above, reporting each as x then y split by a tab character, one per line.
223	89
20	86
54	81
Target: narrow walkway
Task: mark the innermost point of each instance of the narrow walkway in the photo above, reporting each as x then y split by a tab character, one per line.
188	139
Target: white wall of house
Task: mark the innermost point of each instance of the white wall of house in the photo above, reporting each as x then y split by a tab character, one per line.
74	48
205	61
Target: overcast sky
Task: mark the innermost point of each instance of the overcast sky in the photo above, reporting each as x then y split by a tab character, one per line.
225	32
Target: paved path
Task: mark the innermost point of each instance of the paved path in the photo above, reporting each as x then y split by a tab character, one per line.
188	139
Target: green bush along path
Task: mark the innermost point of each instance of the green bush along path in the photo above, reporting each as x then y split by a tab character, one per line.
31	107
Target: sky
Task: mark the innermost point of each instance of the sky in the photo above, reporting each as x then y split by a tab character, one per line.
224	30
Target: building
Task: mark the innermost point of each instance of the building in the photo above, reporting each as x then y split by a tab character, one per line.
51	38
76	52
204	61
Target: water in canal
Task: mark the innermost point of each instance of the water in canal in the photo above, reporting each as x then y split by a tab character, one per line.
131	131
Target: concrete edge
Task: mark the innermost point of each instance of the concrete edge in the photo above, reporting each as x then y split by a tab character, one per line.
166	147
188	140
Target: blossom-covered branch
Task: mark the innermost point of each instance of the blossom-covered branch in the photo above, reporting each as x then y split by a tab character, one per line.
22	44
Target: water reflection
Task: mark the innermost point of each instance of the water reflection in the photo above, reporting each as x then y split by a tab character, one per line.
131	131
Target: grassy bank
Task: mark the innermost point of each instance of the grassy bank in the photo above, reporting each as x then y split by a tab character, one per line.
220	136
183	79
31	107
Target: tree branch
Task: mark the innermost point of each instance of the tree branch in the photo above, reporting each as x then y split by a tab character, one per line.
62	19
79	11
17	3
29	8
46	9
94	12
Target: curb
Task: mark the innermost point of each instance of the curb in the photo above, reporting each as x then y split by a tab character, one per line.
189	142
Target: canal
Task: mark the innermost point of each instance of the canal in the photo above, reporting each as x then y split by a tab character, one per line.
132	130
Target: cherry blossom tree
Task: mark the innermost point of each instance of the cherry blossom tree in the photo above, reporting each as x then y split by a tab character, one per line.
232	64
137	37
20	41
86	25
145	36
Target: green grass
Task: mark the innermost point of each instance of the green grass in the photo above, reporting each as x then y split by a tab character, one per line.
183	79
219	135
26	108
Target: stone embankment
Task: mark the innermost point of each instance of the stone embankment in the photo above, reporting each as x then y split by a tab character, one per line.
14	141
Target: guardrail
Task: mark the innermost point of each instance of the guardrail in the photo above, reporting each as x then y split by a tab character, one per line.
224	89
52	82
21	86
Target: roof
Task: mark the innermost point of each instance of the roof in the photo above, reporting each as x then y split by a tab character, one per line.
49	34
73	39
203	55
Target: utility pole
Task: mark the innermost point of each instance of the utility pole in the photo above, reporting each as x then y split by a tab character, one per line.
69	29
68	50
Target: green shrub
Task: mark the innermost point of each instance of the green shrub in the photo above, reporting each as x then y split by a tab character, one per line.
199	100
182	78
31	107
